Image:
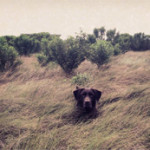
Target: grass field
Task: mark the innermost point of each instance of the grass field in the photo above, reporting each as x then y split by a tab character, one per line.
37	107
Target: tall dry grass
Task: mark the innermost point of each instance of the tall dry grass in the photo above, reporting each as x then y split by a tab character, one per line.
37	107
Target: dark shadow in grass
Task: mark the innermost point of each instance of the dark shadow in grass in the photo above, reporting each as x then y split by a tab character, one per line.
136	94
9	131
2	81
78	115
108	101
146	141
48	110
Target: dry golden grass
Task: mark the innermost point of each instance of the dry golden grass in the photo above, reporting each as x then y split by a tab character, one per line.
37	107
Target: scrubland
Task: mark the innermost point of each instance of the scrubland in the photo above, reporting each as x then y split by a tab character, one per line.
38	110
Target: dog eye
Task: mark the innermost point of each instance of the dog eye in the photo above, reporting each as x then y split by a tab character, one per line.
83	95
91	95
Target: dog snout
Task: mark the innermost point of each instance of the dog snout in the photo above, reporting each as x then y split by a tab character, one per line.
87	102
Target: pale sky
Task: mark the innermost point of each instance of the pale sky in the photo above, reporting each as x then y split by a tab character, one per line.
67	17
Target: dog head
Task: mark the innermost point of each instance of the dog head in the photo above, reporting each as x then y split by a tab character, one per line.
87	98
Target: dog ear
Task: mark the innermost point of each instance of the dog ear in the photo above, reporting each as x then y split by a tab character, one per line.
97	94
77	93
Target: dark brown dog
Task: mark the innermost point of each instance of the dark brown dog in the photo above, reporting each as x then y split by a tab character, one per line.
87	98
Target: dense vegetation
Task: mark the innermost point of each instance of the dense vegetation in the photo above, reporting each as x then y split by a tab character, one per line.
8	54
69	53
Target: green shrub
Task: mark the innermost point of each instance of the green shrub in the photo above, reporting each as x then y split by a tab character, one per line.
100	52
8	55
80	79
27	44
42	59
117	49
111	34
66	53
24	45
17	62
140	42
124	40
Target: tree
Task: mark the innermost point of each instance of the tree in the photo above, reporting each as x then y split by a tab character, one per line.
100	52
124	40
146	42
66	53
91	38
32	43
111	35
117	49
24	45
102	33
83	42
8	55
10	40
46	49
137	41
96	32
74	54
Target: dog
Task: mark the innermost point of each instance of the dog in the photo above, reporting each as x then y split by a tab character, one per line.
87	98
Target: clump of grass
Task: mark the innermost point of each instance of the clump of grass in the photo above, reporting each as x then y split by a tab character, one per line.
80	79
